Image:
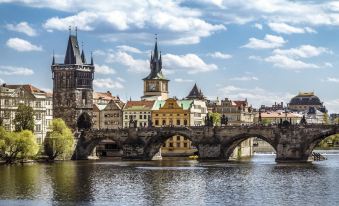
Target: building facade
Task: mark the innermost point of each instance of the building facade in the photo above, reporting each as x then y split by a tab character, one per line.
13	95
198	108
155	84
140	112
174	113
276	117
237	112
73	87
304	100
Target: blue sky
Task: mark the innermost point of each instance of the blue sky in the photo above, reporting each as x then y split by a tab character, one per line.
265	51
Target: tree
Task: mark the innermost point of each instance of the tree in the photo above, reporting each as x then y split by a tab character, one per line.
266	121
17	145
325	118
24	118
59	141
216	118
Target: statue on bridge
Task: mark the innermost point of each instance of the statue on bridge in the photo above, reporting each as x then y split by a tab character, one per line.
224	120
303	120
208	120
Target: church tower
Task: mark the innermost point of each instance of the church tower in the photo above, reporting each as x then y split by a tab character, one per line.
155	84
73	87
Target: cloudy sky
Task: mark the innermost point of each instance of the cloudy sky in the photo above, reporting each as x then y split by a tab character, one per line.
263	50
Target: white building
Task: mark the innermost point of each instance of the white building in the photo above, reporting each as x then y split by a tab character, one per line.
41	102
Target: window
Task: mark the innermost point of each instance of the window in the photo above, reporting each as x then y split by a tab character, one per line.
178	121
7	114
185	145
178	144
163	122
185	122
38	116
170	144
178	138
140	116
6	102
145	116
37	127
156	122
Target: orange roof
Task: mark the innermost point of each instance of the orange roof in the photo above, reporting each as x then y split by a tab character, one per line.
28	87
143	103
240	102
104	95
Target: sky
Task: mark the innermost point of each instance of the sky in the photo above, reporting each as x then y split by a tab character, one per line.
264	50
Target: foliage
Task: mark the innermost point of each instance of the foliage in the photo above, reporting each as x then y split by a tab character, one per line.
325	118
24	118
60	141
329	141
266	121
17	145
216	118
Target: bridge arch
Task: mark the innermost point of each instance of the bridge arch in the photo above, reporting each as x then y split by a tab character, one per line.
228	146
89	139
155	142
310	145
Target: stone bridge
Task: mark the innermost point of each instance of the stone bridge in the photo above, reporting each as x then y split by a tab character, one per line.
291	143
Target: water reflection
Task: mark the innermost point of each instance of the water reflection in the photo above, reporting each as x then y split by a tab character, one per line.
258	182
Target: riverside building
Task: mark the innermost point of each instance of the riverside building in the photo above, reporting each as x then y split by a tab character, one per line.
41	102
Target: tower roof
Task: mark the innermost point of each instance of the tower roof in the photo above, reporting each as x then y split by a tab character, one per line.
72	55
155	64
195	93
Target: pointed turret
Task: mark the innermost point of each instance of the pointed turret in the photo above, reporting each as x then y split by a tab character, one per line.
83	59
53	60
92	62
155	63
72	55
195	93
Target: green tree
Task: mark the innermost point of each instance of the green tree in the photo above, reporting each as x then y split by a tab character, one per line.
17	145
266	121
60	141
329	141
24	118
326	118
216	118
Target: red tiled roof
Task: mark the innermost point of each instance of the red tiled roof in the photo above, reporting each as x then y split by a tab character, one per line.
104	96
28	87
145	103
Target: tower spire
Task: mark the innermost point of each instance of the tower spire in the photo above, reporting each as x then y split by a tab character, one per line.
92	58
83	59
70	30
76	31
156	55
53	60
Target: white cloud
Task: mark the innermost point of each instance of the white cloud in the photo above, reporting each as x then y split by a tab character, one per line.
2	81
219	55
180	80
22	45
186	25
256	95
132	64
269	42
107	83
288	29
332	79
332	105
104	69
22	27
258	26
82	20
244	78
191	63
130	49
11	70
286	62
304	51
121	79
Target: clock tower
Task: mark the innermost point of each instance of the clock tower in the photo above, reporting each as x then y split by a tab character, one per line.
155	84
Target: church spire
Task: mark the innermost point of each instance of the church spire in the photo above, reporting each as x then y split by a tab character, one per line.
72	55
156	55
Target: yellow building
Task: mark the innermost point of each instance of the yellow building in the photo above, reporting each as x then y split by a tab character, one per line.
176	113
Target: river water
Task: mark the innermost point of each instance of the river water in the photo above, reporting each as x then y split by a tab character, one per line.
259	181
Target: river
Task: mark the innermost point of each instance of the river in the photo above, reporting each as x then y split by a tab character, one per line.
258	181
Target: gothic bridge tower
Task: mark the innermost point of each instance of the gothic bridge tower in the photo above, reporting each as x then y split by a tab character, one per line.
73	87
155	84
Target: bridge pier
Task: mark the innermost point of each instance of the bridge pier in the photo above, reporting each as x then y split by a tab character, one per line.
210	152
134	152
291	153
